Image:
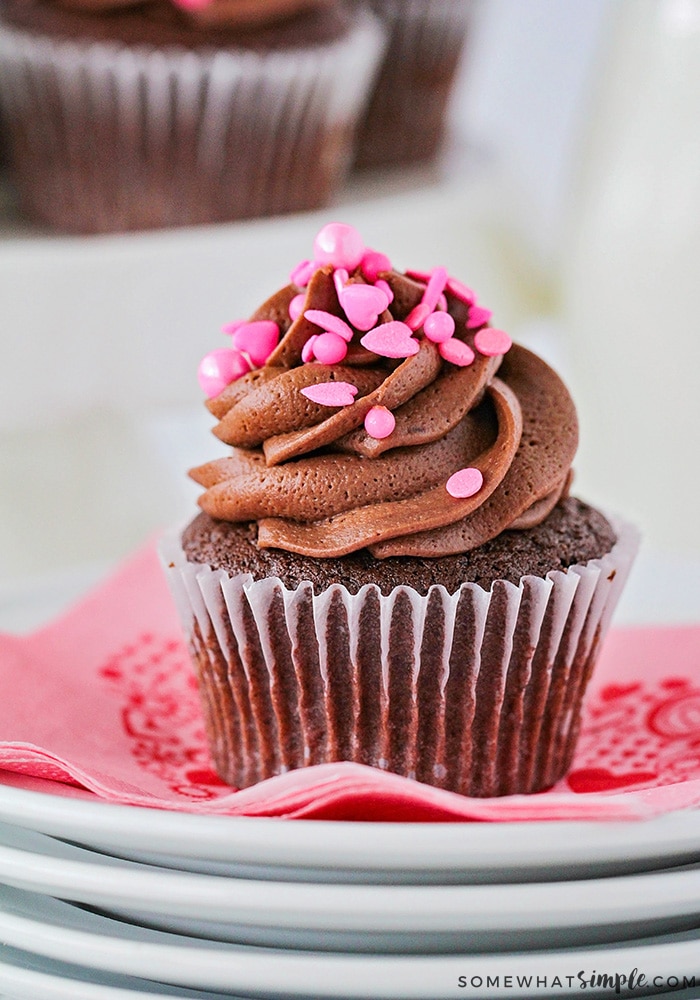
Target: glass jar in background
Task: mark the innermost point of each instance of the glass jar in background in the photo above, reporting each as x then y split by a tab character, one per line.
631	275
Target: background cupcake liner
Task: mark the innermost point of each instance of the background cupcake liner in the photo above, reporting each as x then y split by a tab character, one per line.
107	137
406	118
477	692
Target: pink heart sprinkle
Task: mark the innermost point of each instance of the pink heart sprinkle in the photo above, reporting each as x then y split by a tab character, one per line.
391	340
296	306
219	368
258	340
340	279
327	321
491	342
461	292
307	351
418	315
301	275
456	352
439	327
373	264
331	393
362	304
436	286
478	316
465	483
380	422
330	349
385	287
232	327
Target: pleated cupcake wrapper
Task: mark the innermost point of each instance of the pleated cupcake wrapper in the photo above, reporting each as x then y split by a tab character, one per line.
103	136
477	692
405	120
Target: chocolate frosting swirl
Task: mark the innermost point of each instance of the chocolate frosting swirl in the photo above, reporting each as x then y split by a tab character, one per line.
318	484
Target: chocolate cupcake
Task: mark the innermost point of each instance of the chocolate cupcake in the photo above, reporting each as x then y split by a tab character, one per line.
406	119
388	567
132	114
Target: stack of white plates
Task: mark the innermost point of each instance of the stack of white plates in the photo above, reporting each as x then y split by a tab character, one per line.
108	902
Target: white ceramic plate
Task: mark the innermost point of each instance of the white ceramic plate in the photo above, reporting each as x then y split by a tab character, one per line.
410	852
56	929
24	976
367	918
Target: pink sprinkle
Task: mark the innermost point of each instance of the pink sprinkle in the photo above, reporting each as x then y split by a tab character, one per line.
456	352
391	340
419	275
465	483
373	264
219	368
331	393
386	288
478	316
327	321
362	304
380	422
301	275
491	342
232	327
307	351
436	286
329	348
442	303
193	4
258	340
460	291
418	315
296	306
340	277
340	245
439	327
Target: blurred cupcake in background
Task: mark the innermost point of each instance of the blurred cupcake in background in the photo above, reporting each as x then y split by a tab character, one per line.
405	122
135	114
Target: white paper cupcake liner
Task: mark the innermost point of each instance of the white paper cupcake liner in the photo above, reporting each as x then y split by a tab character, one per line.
477	692
103	136
405	121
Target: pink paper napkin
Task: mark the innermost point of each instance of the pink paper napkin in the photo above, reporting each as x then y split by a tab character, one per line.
102	703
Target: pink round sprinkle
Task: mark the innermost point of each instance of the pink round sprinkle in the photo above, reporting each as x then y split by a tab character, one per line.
219	368
331	393
340	278
362	304
327	321
465	483
386	288
296	306
442	303
456	352
340	245
418	315
329	348
436	286
491	342
391	340
301	275
380	422
439	327
258	340
374	263
478	316
307	351
460	291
